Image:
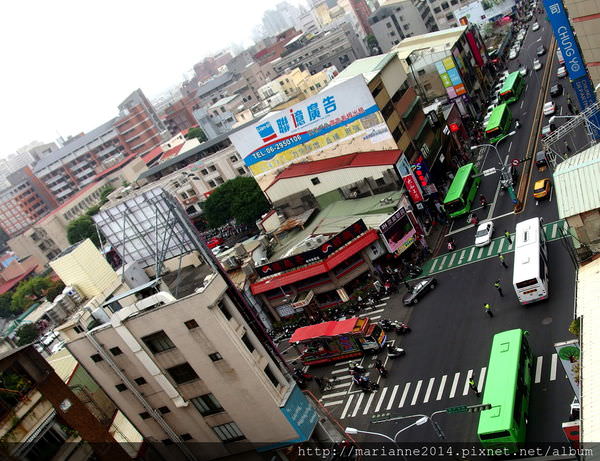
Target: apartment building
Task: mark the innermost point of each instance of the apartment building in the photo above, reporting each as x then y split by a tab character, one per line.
443	12
294	86
24	202
338	47
393	22
134	133
181	353
178	116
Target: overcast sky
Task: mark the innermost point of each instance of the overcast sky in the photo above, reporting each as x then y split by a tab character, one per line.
66	65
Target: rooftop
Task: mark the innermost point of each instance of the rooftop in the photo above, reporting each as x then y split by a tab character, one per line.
442	39
72	146
367	67
223	101
576	182
356	160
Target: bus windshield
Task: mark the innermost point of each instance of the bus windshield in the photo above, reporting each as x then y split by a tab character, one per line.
462	191
498	125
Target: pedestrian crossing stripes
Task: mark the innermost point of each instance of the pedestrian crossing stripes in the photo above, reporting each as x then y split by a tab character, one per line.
424	391
553	231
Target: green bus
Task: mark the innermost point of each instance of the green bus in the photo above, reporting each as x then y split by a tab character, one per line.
462	191
498	125
507	390
513	87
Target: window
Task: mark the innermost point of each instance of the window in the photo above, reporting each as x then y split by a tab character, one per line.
164	410
229	432
207	404
212	168
224	310
219	180
271	376
388	25
453	2
211	183
247	342
233	158
215	356
397	134
140	381
241	171
121	387
315	181
96	358
445	6
191	324
145	415
78	329
204	171
406	26
115	351
185	437
392	34
450	17
158	342
437	9
182	373
421	72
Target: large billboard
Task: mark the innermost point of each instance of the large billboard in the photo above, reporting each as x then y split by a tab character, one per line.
340	120
450	77
397	231
482	12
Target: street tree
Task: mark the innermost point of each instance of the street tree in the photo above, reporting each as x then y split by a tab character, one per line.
196	132
5	305
27	334
28	292
81	228
240	199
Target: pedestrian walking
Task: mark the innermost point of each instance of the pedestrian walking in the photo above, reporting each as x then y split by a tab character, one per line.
488	309
498	287
507	235
501	258
473	387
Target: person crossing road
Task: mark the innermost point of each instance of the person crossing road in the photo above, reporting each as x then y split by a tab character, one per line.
501	258
488	309
498	287
473	387
507	236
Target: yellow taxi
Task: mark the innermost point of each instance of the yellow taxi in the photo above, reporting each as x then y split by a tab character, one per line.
541	188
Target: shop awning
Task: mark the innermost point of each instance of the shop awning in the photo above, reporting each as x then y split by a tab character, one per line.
322	267
324	330
421	128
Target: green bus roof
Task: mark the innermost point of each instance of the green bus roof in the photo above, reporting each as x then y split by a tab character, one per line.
509	83
458	184
501	381
496	117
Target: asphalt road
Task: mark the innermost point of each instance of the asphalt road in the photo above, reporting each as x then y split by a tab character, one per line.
452	334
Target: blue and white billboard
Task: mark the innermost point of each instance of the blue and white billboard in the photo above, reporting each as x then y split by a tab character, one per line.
559	20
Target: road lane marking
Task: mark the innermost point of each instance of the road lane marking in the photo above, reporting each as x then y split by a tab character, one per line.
522	103
433	265
375	317
462	255
357	406
452	259
376	312
510	146
466	388
383	392
441	389
341	364
385	299
381	305
443	261
454	384
340	370
392	397
416	394
346	407
404	394
428	391
481	379
339	386
479	253
471	253
554	229
368	405
330	404
553	367
538	369
491	249
336	394
339	378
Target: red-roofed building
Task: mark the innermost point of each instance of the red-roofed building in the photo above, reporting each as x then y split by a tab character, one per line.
353	175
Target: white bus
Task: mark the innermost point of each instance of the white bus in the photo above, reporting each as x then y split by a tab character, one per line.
530	276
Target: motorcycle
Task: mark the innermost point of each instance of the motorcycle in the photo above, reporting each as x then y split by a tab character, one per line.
401	328
365	384
356	370
381	369
386	325
394	352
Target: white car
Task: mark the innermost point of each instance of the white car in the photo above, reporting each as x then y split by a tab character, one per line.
523	71
535	26
537	65
549	108
561	72
513	54
484	233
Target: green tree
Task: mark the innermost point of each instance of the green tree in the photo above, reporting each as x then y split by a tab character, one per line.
196	132
28	292
91	211
5	305
104	193
81	228
240	199
27	333
55	289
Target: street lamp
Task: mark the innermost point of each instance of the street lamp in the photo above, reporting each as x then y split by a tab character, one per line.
419	422
503	169
532	69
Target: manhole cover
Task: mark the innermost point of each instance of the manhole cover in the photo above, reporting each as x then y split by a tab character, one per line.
547	321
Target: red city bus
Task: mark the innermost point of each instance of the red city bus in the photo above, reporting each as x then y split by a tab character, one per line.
338	340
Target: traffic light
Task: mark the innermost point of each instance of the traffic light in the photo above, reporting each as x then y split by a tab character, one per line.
453	127
478	408
380	417
458	409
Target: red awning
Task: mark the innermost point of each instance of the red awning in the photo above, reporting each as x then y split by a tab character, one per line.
318	268
324	330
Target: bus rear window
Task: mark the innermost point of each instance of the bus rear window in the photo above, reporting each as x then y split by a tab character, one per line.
527	283
454	205
494	435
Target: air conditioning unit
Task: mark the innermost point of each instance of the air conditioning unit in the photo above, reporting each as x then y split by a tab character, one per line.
73	293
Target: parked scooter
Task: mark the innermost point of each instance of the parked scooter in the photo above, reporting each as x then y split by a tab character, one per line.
395	351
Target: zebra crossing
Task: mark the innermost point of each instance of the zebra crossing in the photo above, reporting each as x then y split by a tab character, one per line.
353	402
553	231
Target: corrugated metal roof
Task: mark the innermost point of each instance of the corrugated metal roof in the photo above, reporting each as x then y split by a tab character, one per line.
367	67
577	184
588	300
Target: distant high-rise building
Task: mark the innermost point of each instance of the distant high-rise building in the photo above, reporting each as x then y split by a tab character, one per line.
283	17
